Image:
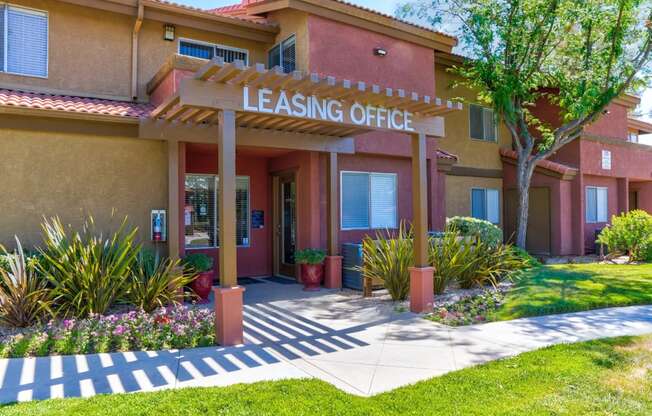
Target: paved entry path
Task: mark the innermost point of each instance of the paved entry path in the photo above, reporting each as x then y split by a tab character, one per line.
362	346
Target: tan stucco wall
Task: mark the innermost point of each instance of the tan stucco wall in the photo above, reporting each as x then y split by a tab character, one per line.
294	22
90	50
471	153
153	50
458	193
68	174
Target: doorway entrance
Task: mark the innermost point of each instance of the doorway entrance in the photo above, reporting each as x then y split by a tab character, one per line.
633	200
538	227
285	224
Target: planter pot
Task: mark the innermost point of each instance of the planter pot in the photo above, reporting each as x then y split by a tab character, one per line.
202	285
312	276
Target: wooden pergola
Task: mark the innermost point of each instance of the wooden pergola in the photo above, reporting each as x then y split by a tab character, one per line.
245	104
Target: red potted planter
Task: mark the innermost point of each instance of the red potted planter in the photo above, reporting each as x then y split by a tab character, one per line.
311	263
202	265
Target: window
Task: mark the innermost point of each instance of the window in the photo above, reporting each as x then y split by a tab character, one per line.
284	55
597	205
200	211
368	200
632	137
606	160
23	41
482	123
205	50
485	204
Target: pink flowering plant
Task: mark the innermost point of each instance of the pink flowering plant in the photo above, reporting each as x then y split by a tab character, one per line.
166	328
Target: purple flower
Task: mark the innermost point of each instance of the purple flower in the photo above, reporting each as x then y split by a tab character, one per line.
119	330
68	324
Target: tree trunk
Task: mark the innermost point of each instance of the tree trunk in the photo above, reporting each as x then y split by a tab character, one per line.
523	178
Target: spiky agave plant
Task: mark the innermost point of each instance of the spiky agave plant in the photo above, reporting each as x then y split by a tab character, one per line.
24	295
388	258
88	271
156	282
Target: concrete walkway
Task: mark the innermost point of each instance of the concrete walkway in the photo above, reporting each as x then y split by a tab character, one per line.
362	346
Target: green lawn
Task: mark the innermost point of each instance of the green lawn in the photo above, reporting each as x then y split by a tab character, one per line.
606	377
577	287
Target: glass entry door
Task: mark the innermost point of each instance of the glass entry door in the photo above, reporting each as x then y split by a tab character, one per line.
286	224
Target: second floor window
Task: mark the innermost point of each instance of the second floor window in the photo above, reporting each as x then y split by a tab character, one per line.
23	41
284	55
482	123
205	50
368	200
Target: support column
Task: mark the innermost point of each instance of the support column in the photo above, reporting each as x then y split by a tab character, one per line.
228	297
333	278
623	195
173	199
421	275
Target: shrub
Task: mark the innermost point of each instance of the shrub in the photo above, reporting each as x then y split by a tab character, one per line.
198	262
492	265
24	297
473	227
526	258
88	272
470	262
452	257
388	258
309	256
156	282
629	233
165	328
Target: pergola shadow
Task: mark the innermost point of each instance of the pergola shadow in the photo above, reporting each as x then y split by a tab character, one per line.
272	335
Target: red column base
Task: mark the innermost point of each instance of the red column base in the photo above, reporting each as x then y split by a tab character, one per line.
422	295
333	275
228	315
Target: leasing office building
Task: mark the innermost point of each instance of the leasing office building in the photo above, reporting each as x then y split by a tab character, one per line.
124	105
307	117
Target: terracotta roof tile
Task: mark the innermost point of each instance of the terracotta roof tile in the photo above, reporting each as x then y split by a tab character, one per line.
235	10
546	164
40	101
212	11
442	154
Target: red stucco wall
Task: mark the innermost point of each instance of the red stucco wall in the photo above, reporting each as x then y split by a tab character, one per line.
612	194
255	260
561	205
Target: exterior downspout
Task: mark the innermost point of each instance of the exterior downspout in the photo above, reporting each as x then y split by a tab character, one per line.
134	50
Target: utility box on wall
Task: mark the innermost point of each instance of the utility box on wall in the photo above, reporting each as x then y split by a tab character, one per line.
159	225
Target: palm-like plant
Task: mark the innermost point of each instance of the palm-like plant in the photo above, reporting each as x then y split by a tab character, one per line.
453	258
88	272
24	296
388	258
155	283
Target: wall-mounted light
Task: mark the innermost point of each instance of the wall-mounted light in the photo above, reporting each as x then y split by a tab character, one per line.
380	52
169	32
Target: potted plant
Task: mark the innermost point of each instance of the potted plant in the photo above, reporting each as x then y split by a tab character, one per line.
312	267
202	265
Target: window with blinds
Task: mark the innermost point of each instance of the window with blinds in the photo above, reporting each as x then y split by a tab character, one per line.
284	55
482	123
205	50
368	200
23	41
597	204
201	215
485	204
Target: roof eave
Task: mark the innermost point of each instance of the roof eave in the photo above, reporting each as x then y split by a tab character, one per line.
351	14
